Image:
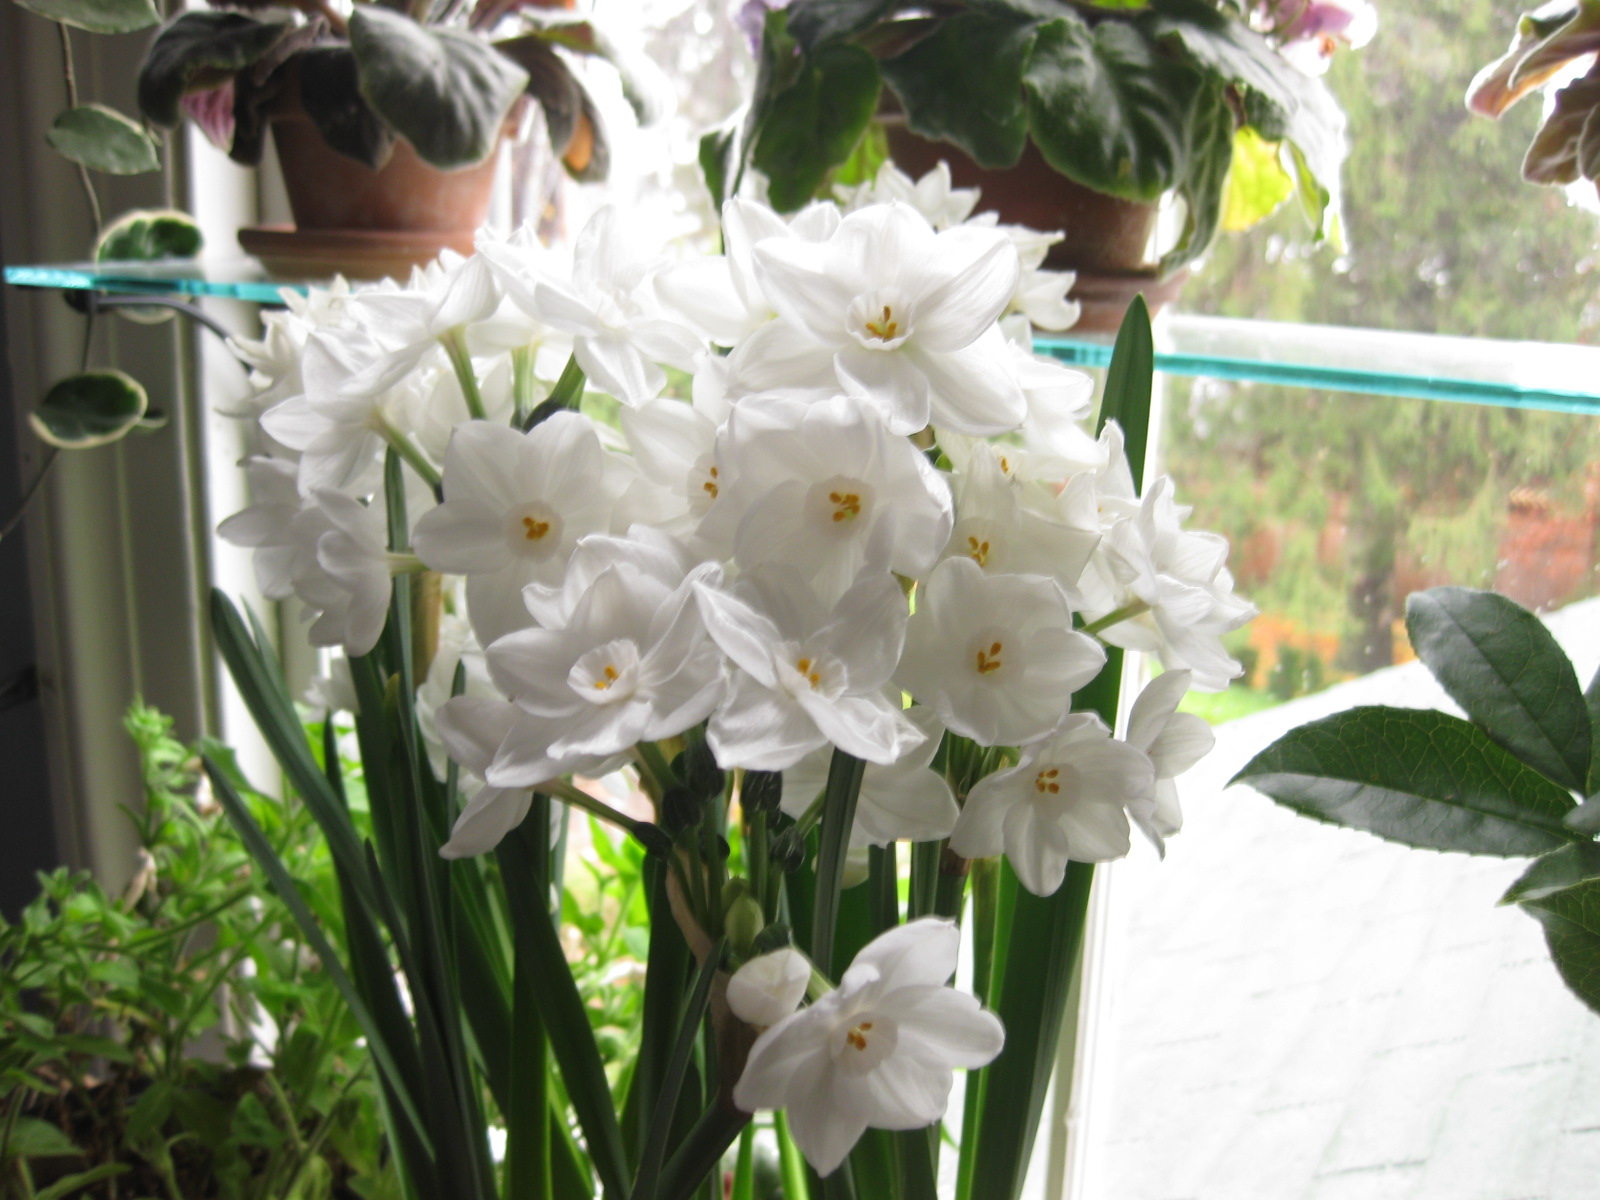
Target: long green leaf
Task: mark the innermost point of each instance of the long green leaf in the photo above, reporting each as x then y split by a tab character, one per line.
261	686
666	1105
283	883
1126	399
838	818
527	1112
562	1011
666	977
1499	662
1422	778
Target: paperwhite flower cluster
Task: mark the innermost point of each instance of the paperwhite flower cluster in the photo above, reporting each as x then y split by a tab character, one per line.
874	523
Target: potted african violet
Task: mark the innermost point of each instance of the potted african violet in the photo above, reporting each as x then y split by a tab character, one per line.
1100	104
1547	46
385	117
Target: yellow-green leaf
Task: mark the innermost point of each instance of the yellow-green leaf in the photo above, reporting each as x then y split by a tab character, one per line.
1257	182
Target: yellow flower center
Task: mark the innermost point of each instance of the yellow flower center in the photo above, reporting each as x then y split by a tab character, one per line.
886	329
857	1037
989	660
710	485
601	685
803	665
1045	781
846	505
534	530
978	551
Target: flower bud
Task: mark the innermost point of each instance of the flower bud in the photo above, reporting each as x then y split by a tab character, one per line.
733	891
761	791
698	769
788	850
743	922
774	937
680	809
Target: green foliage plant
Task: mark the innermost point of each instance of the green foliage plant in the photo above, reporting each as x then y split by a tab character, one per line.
1518	776
1137	100
177	1040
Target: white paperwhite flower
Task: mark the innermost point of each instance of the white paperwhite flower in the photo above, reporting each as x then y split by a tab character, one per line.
769	988
879	1051
514	507
265	525
349	590
1179	577
333	692
896	313
807	675
1066	799
827	488
995	655
943	205
1174	741
619	333
488	815
410	324
633	663
674	447
902	801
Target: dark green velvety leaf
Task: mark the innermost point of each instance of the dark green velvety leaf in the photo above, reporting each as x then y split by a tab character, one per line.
200	50
89	409
145	234
1210	158
1571	920
1423	778
1556	871
97	16
1284	102
811	126
1108	110
963	85
551	83
1554	155
447	92
330	92
103	140
1500	664
817	22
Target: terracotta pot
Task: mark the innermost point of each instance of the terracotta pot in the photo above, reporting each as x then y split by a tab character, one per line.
1107	237
365	224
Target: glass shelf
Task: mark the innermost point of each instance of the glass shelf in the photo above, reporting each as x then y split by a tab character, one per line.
1332	358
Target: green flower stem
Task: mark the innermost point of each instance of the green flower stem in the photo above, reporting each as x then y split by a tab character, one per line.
454	341
522	382
1126	613
400	442
578	798
789	1161
655	775
569	388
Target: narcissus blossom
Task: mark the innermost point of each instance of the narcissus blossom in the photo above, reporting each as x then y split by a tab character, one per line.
769	988
1174	741
1066	799
880	1051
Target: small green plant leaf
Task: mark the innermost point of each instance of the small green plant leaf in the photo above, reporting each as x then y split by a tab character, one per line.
444	90
1422	778
1500	664
813	125
1126	399
145	234
97	16
93	408
70	1184
1257	182
1108	110
963	84
200	50
103	140
33	1138
1555	872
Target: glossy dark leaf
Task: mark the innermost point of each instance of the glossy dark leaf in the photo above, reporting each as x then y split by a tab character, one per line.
102	139
200	50
1554	872
97	16
1108	110
1126	398
445	91
1571	920
1591	701
90	409
1501	665
1422	778
963	85
811	126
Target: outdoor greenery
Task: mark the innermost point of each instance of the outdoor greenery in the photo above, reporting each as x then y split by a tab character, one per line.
1352	501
